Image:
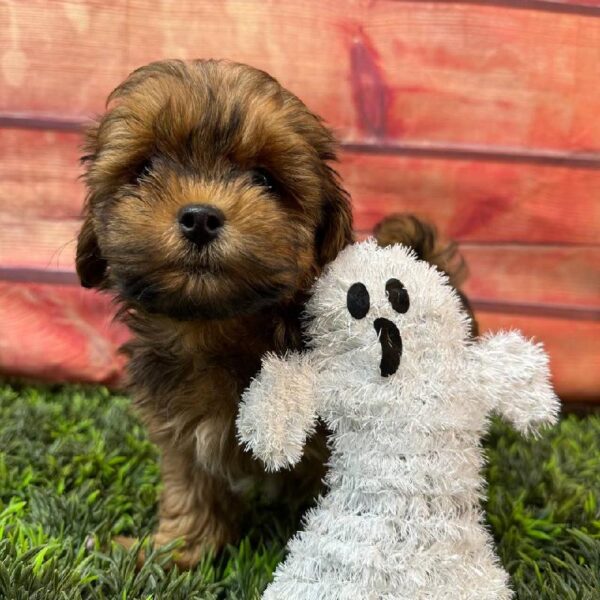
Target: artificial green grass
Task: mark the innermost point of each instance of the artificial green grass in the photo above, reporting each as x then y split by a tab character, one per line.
76	468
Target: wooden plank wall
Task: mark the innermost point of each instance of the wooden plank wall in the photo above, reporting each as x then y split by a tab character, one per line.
482	116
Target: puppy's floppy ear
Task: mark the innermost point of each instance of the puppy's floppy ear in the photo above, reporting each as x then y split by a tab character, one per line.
91	267
335	230
424	239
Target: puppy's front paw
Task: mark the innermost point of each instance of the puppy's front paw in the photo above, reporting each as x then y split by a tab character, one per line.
129	544
171	552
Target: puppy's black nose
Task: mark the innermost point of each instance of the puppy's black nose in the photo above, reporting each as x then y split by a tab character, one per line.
200	223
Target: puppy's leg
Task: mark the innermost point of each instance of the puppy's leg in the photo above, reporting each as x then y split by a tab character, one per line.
195	507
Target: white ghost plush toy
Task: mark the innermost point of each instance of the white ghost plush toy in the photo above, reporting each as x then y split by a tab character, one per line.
407	397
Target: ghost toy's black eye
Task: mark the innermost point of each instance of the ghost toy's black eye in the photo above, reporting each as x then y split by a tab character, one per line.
358	301
397	295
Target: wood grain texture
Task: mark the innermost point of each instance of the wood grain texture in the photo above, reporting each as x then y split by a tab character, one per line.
480	116
62	333
41	199
442	72
47	244
540	276
478	201
471	201
579	7
575	3
39	174
554	278
59	333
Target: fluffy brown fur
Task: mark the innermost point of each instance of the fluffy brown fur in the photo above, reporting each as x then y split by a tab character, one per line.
227	135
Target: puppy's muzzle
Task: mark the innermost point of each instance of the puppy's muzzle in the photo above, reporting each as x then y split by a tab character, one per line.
391	346
200	223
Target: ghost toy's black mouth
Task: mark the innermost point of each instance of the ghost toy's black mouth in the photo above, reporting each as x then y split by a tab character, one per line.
391	346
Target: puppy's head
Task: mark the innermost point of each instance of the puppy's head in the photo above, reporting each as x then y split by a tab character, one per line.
209	192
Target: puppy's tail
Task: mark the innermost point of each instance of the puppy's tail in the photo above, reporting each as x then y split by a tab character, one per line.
424	239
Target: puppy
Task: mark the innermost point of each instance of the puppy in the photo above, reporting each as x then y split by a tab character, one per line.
212	206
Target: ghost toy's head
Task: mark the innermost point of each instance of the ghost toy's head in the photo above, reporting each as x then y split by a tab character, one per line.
379	314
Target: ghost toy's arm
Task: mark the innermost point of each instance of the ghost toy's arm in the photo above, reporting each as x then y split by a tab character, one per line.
513	376
278	410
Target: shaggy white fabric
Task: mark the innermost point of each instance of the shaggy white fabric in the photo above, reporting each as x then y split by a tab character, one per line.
402	517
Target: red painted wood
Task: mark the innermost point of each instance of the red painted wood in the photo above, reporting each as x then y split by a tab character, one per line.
59	333
39	173
474	104
469	200
62	333
478	201
442	72
576	3
551	278
545	276
40	198
38	243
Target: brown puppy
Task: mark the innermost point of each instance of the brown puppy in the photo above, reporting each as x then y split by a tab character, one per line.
211	209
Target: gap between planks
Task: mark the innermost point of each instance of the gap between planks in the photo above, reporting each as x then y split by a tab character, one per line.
445	151
590	8
62	277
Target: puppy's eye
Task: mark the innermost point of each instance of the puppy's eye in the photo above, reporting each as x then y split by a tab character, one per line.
263	178
143	169
397	295
358	301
